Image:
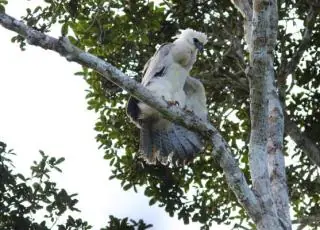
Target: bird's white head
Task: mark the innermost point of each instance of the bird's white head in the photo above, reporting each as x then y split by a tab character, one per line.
194	38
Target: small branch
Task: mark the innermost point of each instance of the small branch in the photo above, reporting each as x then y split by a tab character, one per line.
244	8
301	226
314	3
287	68
313	220
302	141
237	226
222	152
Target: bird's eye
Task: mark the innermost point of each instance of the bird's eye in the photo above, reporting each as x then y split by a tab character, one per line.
195	40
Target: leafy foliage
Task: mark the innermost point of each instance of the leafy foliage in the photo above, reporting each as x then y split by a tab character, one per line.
2	4
125	33
122	224
24	199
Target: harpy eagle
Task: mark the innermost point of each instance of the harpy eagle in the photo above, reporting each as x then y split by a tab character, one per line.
166	74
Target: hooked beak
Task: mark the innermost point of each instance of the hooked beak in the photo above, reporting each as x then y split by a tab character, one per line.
199	46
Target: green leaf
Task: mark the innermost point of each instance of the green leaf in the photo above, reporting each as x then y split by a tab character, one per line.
127	187
64	29
2	9
60	160
152	201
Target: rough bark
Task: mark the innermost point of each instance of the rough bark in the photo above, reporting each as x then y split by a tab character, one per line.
276	162
286	68
258	73
267	170
222	152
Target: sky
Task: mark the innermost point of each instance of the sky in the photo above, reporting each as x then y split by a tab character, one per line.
43	107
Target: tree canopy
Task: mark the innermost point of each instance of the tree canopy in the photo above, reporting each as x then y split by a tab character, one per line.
126	34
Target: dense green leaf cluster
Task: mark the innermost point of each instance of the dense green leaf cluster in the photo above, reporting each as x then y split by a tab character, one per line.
24	199
126	33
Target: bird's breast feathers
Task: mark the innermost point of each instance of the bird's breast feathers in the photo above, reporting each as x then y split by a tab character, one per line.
182	54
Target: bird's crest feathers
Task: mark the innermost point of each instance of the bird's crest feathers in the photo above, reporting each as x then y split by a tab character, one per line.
190	33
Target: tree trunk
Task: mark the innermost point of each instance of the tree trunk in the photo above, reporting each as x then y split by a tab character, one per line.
266	157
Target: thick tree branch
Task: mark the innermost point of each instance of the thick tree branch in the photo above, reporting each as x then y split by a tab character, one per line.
261	64
260	35
265	102
276	162
222	152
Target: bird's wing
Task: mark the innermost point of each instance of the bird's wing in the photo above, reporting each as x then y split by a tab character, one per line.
196	100
155	67
157	64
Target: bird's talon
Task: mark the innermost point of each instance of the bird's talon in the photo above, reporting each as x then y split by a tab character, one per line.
188	110
171	103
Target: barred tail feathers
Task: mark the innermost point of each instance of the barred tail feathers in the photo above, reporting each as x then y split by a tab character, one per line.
146	143
194	139
154	142
174	142
160	146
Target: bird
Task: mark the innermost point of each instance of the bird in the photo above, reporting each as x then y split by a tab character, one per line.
166	75
176	138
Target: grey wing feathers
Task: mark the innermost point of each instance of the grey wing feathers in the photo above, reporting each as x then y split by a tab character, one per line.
191	142
196	100
192	139
146	141
174	142
156	64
